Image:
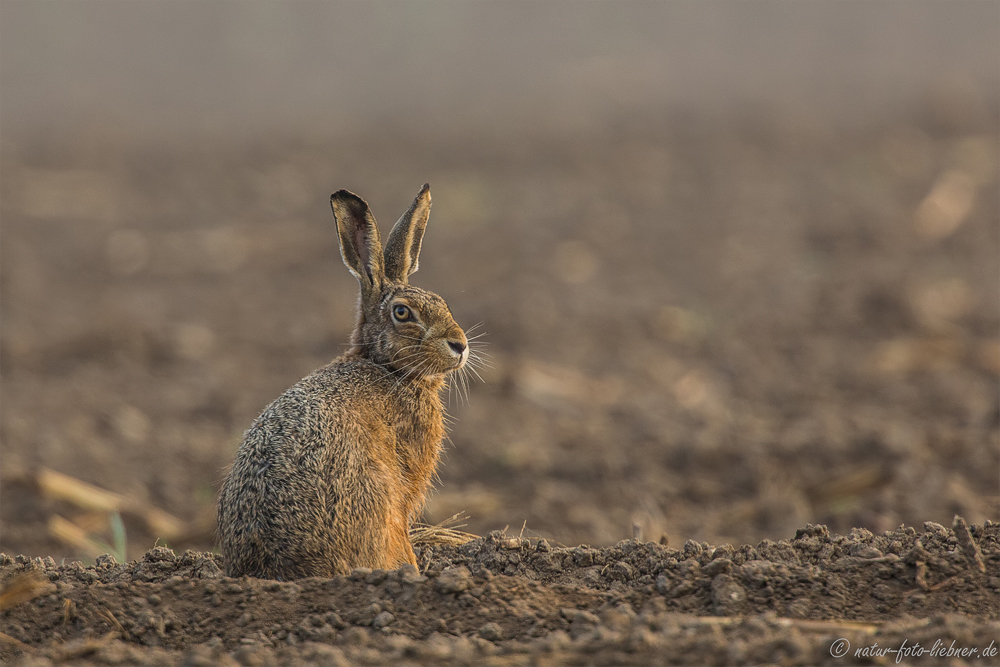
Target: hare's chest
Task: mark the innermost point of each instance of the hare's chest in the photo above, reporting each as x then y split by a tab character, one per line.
418	435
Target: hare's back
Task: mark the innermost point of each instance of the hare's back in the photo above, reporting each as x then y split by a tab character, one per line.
306	453
334	402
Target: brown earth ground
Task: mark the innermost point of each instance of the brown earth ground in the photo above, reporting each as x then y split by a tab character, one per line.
507	600
711	329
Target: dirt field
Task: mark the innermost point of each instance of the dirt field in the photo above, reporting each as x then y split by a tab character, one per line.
713	333
703	329
504	600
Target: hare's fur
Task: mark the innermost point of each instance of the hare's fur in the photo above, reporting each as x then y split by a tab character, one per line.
333	472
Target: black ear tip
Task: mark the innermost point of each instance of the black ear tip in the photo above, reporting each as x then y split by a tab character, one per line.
425	189
341	195
354	205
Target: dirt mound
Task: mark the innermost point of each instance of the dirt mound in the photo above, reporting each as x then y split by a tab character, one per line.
508	600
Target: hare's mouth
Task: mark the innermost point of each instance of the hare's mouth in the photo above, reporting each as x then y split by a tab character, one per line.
459	354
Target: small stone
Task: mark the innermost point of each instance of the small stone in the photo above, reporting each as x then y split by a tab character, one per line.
368	614
683	588
491	632
622	571
728	597
811	530
933	527
206	568
157	554
717	566
383	619
105	560
453	580
692	548
865	551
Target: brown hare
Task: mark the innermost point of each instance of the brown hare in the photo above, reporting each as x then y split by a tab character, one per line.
331	475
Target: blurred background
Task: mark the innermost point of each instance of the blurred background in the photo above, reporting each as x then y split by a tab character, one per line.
738	262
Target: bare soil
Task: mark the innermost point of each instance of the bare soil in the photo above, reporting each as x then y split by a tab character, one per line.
507	600
702	329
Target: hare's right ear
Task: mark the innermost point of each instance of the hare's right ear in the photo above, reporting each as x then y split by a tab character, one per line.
360	244
402	250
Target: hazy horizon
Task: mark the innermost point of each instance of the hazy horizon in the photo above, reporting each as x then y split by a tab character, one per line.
180	68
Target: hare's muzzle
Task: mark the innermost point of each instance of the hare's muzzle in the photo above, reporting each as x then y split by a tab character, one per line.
459	348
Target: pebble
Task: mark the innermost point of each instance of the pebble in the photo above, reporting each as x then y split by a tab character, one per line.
383	619
453	580
491	632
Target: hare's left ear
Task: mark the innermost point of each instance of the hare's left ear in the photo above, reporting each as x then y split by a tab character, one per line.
402	250
360	245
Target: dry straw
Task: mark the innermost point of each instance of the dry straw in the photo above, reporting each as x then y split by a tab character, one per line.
446	533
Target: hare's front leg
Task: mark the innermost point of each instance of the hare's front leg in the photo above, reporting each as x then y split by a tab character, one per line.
394	549
400	550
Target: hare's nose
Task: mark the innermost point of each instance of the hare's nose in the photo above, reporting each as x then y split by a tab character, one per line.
457	346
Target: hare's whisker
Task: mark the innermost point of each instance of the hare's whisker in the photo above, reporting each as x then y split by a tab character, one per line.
476	373
464	384
401	360
476	360
419	367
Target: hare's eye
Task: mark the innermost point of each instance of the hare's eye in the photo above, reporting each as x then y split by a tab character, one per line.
401	313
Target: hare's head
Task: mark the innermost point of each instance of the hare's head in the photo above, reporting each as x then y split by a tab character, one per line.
406	329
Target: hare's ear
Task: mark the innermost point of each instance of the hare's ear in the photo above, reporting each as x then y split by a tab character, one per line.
359	240
402	250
